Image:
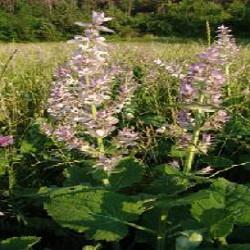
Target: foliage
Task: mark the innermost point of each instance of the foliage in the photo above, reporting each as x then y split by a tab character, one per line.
21	243
89	210
32	20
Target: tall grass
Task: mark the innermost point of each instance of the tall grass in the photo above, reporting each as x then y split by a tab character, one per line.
27	77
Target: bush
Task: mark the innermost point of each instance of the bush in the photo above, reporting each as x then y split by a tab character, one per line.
35	20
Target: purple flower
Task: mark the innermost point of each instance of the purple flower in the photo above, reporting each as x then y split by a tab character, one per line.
6	141
98	18
201	90
187	91
184	140
217	121
205	143
108	163
127	137
220	118
184	118
212	56
82	101
197	68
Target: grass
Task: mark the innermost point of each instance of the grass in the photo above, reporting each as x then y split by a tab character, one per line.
26	80
27	77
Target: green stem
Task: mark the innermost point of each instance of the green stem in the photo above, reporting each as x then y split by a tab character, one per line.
191	151
227	72
195	139
208	33
99	139
161	231
100	145
93	109
12	178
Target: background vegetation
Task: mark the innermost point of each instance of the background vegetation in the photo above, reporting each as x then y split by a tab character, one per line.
40	20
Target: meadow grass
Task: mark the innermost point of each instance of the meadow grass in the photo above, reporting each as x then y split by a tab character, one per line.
25	82
27	71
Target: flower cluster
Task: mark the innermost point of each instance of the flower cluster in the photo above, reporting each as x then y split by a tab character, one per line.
85	98
6	141
173	68
201	93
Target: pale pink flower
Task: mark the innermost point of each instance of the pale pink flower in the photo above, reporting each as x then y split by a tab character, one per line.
6	141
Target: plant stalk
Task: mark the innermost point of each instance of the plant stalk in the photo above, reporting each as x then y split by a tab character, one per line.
208	33
12	178
100	145
99	139
191	151
161	240
227	72
195	139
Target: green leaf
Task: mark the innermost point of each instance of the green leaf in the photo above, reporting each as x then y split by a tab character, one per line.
128	172
102	214
227	204
218	162
217	208
170	170
76	175
150	220
222	228
176	152
155	120
19	243
168	185
27	147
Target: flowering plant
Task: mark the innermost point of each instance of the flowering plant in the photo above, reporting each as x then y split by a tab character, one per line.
85	98
201	96
6	141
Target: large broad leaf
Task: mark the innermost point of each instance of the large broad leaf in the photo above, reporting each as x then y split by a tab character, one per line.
128	172
217	162
217	208
79	174
19	243
102	214
228	204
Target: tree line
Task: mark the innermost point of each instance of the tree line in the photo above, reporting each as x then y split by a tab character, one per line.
50	20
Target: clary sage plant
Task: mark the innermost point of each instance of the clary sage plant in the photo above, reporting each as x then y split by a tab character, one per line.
201	94
85	98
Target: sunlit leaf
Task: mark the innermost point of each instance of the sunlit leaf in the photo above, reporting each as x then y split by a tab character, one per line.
19	243
102	214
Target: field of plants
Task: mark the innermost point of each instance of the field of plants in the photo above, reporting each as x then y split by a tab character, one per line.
125	145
